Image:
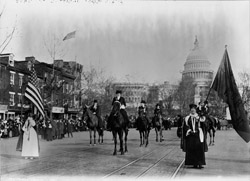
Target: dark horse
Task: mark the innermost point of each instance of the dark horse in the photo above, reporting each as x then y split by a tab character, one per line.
91	121
118	126
157	124
211	123
144	127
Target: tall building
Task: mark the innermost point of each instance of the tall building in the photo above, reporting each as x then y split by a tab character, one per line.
197	66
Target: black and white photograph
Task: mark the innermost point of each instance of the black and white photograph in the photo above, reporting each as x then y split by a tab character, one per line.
124	90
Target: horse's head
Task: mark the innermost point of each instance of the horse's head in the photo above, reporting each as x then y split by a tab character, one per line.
85	115
116	107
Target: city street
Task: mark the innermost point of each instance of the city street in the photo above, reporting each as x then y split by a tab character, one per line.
75	158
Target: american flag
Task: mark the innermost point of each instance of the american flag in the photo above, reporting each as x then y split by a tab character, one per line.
32	92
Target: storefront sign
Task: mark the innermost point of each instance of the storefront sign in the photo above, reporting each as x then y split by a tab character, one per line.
57	110
3	107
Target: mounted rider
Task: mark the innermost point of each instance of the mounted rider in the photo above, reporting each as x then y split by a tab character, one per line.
203	111
122	101
96	110
142	111
157	111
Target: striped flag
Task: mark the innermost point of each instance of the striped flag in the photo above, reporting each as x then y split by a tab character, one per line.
32	92
70	35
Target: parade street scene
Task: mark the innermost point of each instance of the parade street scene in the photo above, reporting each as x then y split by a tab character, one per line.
124	90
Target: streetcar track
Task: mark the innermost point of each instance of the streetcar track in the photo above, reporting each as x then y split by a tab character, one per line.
136	160
177	169
155	164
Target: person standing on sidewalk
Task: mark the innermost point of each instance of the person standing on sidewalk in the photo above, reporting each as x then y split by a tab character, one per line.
193	139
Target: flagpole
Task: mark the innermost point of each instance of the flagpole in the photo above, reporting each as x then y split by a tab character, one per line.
213	81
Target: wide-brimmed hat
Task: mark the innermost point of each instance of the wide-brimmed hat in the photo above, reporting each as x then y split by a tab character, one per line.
142	101
192	106
95	101
118	92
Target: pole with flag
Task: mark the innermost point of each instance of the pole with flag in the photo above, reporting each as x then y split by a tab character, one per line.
32	92
224	84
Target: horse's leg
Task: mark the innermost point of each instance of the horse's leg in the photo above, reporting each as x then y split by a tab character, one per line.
90	137
161	137
121	141
140	138
95	136
146	137
125	139
115	141
210	135
156	132
213	136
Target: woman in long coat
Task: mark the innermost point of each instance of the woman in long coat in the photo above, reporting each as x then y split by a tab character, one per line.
193	139
30	147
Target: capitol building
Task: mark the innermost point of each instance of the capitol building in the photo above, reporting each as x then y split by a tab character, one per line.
197	67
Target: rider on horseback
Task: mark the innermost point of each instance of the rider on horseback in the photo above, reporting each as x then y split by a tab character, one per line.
203	110
157	111
142	110
120	99
95	108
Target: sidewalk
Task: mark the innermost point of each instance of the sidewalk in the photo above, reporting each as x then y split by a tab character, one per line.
229	159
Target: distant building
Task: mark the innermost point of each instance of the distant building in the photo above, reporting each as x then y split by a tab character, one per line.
197	66
57	86
135	92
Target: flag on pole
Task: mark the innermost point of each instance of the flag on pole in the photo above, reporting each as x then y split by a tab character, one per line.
32	92
224	84
70	35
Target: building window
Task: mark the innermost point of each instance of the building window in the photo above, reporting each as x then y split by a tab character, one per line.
67	88
12	77
45	76
20	80
12	98
19	98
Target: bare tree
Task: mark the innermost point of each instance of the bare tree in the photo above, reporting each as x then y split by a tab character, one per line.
184	94
5	40
94	84
244	85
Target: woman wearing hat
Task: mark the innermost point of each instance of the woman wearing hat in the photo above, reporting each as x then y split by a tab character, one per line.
120	99
142	109
193	139
96	110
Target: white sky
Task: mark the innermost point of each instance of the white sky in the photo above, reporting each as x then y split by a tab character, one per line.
146	41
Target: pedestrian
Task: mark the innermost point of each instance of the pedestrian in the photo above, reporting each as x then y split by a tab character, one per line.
30	148
48	129
70	128
193	139
179	120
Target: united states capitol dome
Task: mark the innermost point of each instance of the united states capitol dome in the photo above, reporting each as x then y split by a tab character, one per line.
197	65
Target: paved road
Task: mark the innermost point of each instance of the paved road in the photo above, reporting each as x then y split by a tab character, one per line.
75	157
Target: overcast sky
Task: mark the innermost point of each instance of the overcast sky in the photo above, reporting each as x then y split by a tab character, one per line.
137	41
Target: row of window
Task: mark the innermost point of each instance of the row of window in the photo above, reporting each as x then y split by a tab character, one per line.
12	98
12	78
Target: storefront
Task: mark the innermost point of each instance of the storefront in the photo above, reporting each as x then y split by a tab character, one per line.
57	112
72	113
3	111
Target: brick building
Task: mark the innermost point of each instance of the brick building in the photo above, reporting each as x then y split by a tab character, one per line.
55	84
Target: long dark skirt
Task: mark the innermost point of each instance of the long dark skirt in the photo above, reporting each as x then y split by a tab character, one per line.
195	154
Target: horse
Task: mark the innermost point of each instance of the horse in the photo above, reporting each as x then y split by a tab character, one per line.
118	126
144	127
91	121
100	130
157	124
211	123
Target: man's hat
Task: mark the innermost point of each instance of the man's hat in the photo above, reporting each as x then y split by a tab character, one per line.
118	92
142	101
95	101
192	106
206	102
